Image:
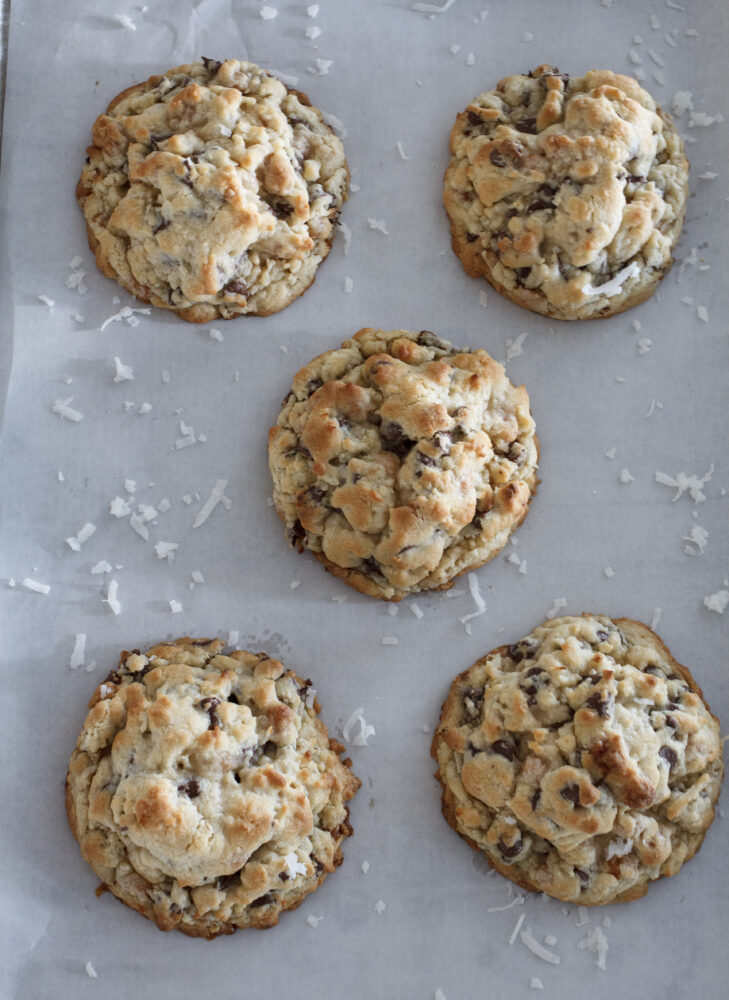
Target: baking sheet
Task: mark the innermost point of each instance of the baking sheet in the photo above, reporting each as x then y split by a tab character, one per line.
396	76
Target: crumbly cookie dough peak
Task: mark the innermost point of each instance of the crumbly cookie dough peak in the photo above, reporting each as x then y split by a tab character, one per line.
566	193
212	190
401	461
204	791
582	760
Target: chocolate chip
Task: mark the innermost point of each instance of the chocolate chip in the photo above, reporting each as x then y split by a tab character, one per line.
370	567
155	140
113	677
318	866
601	635
304	689
395	439
571	793
428	339
264	900
315	493
251	755
671	705
497	158
236	287
163	224
504	749
190	788
507	851
538	206
425	459
297	534
536	798
602	707
522	273
582	875
209	705
270	748
473	701
524	649
528	125
313	385
635	179
226	881
471	237
281	209
671	722
211	65
233	698
669	755
533	671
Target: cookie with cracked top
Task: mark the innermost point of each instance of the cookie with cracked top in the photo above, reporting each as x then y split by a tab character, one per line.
401	461
204	791
582	760
567	194
212	190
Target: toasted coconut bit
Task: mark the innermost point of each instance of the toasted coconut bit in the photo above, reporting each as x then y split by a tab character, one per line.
380	906
64	410
714	602
614	285
111	598
38	588
91	971
78	655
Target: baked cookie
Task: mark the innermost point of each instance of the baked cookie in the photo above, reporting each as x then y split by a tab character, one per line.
204	791
213	191
582	760
400	461
566	194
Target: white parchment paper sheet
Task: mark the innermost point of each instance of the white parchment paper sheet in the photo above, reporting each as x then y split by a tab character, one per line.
396	75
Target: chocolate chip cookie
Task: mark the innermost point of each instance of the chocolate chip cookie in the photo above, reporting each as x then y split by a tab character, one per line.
582	760
566	194
400	461
204	791
213	191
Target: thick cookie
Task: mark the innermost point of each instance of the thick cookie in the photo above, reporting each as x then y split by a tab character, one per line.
567	195
401	462
582	760
213	191
204	791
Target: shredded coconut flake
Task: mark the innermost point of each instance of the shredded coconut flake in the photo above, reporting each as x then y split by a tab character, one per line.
701	120
101	567
233	637
534	946
91	971
365	731
78	654
478	600
470	59
536	984
626	477
35	586
696	540
483	299
615	285
365	867
175	607
127	313
312	10
215	334
682	483
211	503
714	602
166	550
559	603
390	640
125	21
348	285
64	410
46	301
515	347
619	847
312	31
610	453
609	572
431	8
268	13
293	866
401	151
518	900
379	225
702	313
517	928
111	598
313	921
380	906
597	943
415	609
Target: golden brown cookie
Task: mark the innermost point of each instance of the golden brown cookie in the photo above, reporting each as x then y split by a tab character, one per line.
212	190
566	194
401	462
582	760
204	791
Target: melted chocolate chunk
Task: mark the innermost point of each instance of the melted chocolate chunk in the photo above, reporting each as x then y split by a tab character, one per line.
669	755
251	755
395	440
236	287
524	649
504	749
507	851
536	798
211	65
318	866
190	788
313	385
497	158
471	237
671	722
209	705
428	339
602	707
539	205
425	459
635	179
232	697
473	701
281	209
582	875
162	224
315	494
571	793
601	635
155	140
297	535
522	273
533	671
304	689
527	125
264	900
226	881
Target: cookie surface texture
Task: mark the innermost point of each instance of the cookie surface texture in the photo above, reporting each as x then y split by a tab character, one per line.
566	194
582	760
213	191
401	462
204	791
